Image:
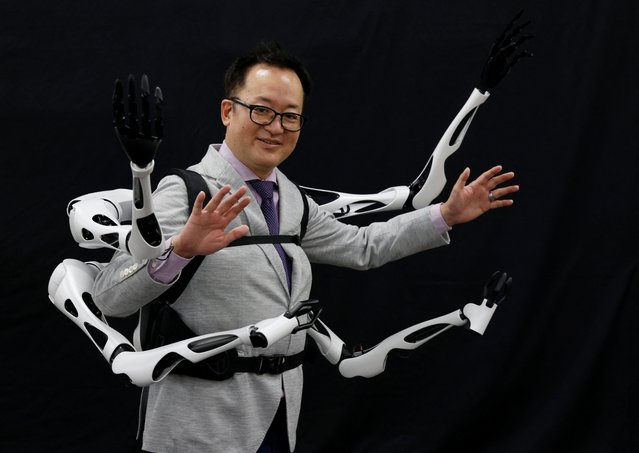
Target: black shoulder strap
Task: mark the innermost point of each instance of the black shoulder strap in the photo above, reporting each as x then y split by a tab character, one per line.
304	222
194	185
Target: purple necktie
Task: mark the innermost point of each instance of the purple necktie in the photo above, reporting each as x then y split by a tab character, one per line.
265	190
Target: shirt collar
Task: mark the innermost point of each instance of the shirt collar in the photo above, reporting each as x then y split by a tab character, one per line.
245	173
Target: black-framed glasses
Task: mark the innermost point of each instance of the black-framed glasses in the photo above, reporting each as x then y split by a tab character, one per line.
264	116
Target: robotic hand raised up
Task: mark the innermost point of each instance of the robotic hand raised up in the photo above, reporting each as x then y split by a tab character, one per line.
96	219
504	53
135	131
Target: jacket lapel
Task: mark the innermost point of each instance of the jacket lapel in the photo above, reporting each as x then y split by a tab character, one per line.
218	168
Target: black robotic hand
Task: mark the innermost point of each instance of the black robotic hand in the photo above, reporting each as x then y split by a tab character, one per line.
504	53
135	130
497	288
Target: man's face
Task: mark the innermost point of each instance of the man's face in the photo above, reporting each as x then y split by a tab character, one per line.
262	148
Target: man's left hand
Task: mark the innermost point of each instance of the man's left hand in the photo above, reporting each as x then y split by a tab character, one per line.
467	202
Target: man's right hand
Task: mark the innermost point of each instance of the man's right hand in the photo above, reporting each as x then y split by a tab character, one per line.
204	232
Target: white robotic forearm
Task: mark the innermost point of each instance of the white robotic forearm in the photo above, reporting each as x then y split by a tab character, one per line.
70	291
428	184
146	235
372	361
144	368
504	53
100	219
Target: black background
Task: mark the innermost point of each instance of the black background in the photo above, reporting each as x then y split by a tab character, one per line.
557	368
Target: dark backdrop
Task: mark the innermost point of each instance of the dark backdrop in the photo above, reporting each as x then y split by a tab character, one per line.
557	368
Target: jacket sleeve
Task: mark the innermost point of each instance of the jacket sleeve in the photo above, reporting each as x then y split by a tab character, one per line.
329	241
124	285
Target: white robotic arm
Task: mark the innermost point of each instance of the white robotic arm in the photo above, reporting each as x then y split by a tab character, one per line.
70	291
504	53
96	219
372	361
428	184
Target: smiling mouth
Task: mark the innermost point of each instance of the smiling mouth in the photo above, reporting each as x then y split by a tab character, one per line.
269	142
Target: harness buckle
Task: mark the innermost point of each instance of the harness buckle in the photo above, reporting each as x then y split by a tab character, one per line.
271	364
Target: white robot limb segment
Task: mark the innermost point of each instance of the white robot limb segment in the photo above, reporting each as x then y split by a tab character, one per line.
100	219
144	368
372	361
423	191
146	235
96	219
70	291
428	184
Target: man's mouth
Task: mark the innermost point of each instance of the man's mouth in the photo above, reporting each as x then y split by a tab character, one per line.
269	142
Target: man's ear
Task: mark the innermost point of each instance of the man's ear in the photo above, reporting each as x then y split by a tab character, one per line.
226	107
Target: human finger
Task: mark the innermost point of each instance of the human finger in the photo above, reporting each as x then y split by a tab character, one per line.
215	201
238	207
501	178
230	201
199	201
501	203
503	191
237	232
461	180
486	176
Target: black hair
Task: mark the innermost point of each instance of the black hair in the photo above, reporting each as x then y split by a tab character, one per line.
269	53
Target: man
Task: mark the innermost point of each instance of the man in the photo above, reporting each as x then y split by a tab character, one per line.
237	286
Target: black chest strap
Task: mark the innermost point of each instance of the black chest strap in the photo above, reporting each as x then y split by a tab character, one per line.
195	184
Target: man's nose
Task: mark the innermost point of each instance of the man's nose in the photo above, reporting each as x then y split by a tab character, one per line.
276	126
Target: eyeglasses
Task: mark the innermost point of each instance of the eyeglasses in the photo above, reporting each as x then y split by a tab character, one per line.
264	116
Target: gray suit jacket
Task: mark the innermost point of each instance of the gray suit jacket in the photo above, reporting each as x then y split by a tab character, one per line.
239	286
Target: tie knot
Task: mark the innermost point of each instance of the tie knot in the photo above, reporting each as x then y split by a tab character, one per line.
263	188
